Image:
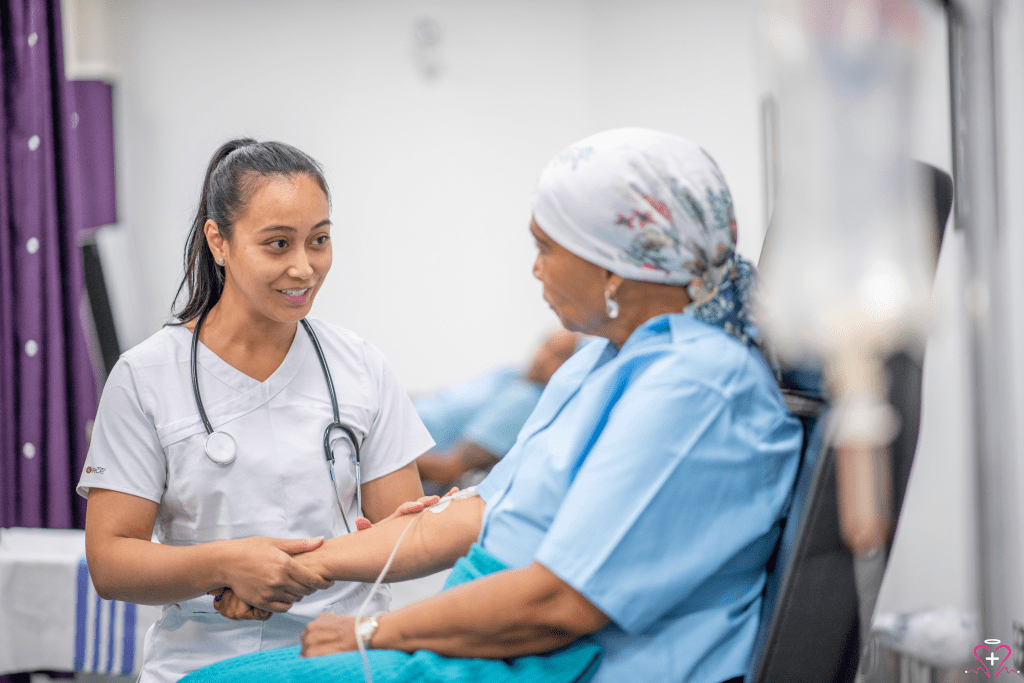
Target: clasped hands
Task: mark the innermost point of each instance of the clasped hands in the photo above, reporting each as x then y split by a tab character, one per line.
270	583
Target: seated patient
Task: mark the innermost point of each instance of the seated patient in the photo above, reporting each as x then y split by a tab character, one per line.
643	497
475	422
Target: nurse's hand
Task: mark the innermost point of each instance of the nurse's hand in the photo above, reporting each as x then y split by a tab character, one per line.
263	573
410	508
231	606
329	634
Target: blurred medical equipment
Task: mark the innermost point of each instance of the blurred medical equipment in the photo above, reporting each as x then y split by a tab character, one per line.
363	634
851	284
977	80
810	609
945	637
848	287
220	446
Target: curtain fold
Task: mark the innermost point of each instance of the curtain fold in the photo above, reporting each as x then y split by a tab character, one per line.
48	389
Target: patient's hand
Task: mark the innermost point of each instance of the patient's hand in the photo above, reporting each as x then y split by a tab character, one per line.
410	508
231	606
329	634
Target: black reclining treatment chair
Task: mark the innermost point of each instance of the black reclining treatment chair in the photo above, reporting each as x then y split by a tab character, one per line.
810	627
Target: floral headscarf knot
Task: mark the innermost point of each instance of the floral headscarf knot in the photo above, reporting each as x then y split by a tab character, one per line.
654	207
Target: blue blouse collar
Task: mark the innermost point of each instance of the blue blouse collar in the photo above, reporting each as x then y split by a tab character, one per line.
679	325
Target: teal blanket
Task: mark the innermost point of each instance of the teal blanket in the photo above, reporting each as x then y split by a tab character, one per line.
575	663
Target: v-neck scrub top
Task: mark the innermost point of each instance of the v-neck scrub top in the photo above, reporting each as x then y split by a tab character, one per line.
652	479
148	441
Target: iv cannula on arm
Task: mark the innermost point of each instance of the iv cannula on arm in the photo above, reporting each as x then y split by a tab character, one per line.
505	614
434	543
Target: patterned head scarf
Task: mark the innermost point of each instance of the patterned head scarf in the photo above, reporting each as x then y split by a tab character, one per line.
651	206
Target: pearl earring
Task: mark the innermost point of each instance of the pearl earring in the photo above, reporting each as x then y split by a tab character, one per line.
611	306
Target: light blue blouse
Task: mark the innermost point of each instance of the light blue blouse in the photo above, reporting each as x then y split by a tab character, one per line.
652	479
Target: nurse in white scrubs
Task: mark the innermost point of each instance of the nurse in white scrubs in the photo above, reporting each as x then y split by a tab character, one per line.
257	254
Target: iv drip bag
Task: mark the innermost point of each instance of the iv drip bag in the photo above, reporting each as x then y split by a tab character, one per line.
845	268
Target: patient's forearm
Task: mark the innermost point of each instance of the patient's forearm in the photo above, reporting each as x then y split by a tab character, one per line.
434	543
507	614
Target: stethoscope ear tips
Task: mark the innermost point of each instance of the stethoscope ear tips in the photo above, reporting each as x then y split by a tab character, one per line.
220	448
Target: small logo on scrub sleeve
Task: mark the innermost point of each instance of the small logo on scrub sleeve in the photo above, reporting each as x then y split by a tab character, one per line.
95	470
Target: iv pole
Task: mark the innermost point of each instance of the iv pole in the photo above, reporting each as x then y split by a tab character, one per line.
974	93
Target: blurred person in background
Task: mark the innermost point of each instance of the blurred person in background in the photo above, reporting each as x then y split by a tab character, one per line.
474	423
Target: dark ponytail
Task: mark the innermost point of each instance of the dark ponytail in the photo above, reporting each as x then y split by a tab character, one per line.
235	172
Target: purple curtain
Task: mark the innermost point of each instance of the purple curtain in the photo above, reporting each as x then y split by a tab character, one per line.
48	389
92	150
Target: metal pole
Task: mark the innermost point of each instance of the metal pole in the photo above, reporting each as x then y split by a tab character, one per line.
974	95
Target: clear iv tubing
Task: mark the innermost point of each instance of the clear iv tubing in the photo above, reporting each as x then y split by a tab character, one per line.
436	509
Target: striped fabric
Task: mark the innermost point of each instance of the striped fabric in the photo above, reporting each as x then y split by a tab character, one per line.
104	630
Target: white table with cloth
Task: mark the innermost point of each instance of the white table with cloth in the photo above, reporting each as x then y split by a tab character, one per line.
51	618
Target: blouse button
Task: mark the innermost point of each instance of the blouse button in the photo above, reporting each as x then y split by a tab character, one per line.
31	347
33	38
32	246
33	143
28	450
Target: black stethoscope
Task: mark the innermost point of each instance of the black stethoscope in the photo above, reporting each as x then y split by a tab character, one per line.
220	446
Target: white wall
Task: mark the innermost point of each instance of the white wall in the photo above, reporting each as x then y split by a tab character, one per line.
432	176
690	68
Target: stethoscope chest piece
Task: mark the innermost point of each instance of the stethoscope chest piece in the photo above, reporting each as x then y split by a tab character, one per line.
220	448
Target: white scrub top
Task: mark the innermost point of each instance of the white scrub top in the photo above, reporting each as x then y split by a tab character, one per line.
148	441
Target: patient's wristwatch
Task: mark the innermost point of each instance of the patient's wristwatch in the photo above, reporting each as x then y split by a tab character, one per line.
365	628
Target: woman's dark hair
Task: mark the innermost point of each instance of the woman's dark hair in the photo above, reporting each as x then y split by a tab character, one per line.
235	172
